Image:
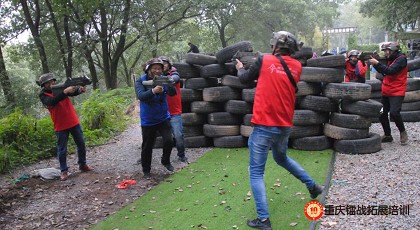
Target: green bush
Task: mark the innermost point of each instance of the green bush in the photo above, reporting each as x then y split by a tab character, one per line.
103	114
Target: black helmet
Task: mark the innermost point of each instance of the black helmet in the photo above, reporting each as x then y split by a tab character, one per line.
165	58
284	39
353	53
44	78
152	62
394	46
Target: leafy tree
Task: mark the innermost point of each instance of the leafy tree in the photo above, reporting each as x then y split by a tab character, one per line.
396	15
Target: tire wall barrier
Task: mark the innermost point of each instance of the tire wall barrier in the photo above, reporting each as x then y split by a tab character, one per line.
329	113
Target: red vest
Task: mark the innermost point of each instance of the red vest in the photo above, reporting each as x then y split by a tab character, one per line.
275	96
63	114
395	85
174	102
351	71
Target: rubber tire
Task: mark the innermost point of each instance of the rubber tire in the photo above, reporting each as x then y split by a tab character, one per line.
187	71
367	108
305	131
340	133
197	142
201	83
238	141
200	59
318	74
193	130
193	119
370	144
246	130
223	118
213	70
318	103
314	143
327	61
221	94
206	107
190	95
233	81
351	121
350	90
308	88
238	107
247	119
303	117
248	95
221	130
224	55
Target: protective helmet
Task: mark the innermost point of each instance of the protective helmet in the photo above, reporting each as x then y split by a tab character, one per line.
284	39
152	62
353	53
394	46
44	78
165	58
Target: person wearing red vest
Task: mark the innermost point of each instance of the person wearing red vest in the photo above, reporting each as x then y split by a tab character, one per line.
65	122
394	85
355	69
175	108
272	117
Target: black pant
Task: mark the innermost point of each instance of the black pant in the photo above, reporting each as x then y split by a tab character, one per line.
149	138
392	105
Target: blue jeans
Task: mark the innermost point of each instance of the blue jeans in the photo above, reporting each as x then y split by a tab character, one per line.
178	133
62	139
260	141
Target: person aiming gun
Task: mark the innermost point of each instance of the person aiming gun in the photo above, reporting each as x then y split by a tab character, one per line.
355	68
65	121
154	116
75	82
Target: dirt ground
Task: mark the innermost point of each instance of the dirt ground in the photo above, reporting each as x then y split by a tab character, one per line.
85	198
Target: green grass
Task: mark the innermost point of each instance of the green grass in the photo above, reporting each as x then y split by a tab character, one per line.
214	193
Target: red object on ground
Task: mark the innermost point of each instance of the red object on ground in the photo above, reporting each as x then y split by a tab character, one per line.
125	183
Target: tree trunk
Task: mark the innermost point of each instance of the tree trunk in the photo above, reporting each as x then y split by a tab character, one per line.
5	81
34	28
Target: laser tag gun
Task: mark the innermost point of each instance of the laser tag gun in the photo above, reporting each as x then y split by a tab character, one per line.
365	56
247	58
76	81
159	80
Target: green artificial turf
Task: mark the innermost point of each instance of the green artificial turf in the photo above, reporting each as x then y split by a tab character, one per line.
214	193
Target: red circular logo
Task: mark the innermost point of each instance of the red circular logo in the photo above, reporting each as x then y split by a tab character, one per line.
313	210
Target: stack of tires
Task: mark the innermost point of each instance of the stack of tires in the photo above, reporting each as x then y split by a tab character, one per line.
217	108
410	110
350	128
312	108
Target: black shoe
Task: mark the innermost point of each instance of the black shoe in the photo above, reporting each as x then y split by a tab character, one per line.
257	223
386	139
147	175
315	191
183	159
169	167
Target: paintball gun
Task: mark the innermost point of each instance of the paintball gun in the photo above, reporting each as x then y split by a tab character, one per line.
247	58
76	81
159	80
365	56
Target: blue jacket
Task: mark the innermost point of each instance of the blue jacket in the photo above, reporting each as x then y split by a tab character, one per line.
153	107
